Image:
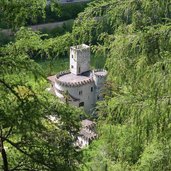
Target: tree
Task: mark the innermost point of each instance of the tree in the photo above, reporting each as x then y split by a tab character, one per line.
134	119
17	13
29	140
134	36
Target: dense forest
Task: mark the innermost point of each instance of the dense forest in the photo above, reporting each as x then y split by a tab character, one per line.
134	119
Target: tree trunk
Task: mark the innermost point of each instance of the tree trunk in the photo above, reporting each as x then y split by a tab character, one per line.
4	156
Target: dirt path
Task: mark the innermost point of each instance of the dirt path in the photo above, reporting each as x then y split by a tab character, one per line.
48	26
72	1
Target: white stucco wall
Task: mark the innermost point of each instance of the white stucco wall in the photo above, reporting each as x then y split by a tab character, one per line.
83	59
99	84
73	61
87	96
79	60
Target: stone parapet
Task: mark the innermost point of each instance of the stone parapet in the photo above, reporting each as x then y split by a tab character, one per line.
100	72
71	84
62	73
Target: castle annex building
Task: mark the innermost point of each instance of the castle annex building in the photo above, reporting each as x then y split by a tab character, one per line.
79	86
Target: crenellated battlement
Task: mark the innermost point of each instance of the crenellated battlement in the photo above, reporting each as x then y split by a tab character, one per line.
76	84
100	72
62	73
72	84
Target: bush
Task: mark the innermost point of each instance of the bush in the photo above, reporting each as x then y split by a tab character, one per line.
66	27
67	11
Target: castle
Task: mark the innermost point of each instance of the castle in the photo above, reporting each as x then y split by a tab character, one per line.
79	86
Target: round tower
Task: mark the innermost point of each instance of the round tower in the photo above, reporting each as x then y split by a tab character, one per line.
75	89
99	77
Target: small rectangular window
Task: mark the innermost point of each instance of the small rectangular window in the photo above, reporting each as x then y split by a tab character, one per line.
80	92
91	89
72	56
72	66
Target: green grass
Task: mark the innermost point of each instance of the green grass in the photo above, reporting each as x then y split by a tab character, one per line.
51	67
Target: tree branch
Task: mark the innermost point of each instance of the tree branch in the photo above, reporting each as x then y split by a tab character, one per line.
11	89
3	153
9	132
24	152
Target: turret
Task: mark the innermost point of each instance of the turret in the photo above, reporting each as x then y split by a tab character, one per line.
99	77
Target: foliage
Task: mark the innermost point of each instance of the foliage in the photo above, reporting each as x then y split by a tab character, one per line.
29	139
5	39
16	13
135	38
66	12
59	30
22	13
39	46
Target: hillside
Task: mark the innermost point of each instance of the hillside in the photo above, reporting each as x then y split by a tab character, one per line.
132	38
134	119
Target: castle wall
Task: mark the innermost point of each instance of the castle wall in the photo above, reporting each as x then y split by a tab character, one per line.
73	61
83	58
86	94
99	81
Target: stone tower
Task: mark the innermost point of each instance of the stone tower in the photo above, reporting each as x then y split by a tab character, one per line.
79	59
